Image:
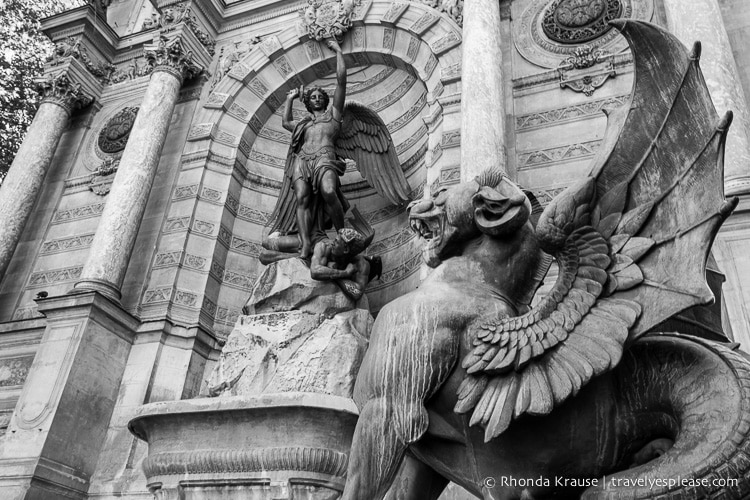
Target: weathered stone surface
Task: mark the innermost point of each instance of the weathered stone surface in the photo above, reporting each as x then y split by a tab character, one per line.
483	111
25	176
113	243
68	399
299	335
293	351
282	446
287	286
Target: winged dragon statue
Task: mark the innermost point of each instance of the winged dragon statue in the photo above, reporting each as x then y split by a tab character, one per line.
465	381
310	200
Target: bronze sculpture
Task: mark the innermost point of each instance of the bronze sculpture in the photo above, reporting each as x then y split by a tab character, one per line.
310	201
339	259
464	381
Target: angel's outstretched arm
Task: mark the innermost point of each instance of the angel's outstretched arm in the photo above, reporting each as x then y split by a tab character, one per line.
339	96
287	121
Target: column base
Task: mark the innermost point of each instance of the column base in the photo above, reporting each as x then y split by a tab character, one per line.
59	425
105	288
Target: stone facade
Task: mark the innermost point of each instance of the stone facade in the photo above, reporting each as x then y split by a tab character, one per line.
150	173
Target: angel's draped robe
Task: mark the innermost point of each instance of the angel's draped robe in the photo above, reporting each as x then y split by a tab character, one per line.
309	167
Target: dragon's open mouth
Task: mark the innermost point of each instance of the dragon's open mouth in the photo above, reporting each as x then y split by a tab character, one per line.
429	228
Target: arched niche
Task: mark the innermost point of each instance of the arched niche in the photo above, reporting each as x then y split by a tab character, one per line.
412	42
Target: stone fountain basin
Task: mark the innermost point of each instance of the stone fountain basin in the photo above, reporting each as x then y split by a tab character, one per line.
286	445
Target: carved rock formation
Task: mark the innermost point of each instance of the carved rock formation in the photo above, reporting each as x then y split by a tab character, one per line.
299	335
287	286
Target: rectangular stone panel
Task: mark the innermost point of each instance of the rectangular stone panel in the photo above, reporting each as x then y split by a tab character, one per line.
394	13
425	21
360	10
218	101
445	43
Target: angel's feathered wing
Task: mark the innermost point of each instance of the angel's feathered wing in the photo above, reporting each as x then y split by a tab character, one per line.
631	242
365	139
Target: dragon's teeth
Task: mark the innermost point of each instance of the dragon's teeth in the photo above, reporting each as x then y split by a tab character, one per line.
427	229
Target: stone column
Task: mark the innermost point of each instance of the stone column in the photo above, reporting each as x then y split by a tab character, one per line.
23	182
482	100
113	243
701	20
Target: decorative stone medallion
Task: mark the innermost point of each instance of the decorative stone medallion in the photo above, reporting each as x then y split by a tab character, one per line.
579	21
114	136
547	32
327	18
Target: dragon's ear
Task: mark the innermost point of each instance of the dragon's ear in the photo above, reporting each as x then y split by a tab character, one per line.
501	210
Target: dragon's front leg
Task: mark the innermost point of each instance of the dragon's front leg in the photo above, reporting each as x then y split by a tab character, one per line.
377	452
409	358
416	481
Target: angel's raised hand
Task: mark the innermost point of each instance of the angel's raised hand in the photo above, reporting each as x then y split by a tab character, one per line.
293	94
333	44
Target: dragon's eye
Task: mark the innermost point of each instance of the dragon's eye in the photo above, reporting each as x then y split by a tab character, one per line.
439	196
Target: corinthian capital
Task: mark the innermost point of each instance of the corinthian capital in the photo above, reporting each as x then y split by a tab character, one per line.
170	55
61	90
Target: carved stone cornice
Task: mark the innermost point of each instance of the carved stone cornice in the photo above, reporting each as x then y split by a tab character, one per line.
60	89
172	56
72	47
180	15
83	25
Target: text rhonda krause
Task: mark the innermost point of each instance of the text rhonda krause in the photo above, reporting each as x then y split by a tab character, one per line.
608	483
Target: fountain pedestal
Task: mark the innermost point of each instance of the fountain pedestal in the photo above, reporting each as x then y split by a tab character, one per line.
281	424
268	447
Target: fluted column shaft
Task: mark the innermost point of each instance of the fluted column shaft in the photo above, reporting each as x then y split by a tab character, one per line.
115	236
482	99
701	20
24	179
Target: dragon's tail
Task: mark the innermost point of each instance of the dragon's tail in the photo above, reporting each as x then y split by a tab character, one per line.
687	400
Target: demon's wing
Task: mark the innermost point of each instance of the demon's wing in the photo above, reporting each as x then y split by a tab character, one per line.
359	223
365	139
631	242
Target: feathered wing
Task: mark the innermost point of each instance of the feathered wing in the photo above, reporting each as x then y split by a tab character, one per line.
365	139
631	242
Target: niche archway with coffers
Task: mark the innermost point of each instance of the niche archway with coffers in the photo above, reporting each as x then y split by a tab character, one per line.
404	61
